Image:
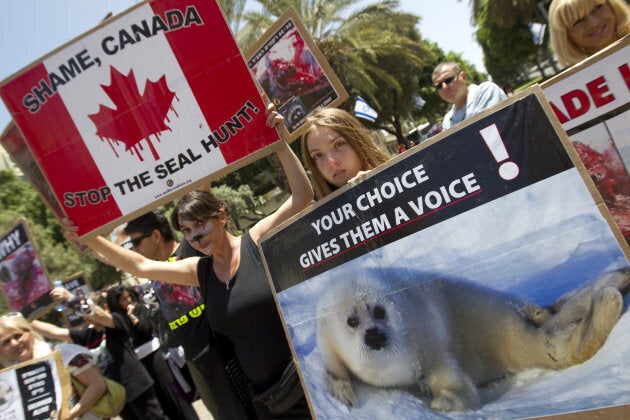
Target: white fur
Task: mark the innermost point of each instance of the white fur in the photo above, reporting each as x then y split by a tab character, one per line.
446	337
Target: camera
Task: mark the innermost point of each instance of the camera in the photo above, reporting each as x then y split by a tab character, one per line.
80	305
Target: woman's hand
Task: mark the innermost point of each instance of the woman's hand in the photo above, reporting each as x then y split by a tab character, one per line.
358	177
60	294
70	230
274	118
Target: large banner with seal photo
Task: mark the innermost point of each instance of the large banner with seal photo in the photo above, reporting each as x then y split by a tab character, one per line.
143	107
474	275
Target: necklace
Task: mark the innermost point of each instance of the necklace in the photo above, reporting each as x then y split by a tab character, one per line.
233	262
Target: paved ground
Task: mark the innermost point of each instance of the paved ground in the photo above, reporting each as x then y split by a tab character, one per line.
202	411
199	408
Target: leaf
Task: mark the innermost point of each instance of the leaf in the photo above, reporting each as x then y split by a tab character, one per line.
136	117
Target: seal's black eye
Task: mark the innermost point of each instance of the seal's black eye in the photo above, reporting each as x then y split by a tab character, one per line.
379	312
353	322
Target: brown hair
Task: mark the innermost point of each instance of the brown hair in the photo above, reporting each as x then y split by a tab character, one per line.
352	131
198	206
564	13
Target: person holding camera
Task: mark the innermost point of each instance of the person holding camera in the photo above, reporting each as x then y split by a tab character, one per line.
116	356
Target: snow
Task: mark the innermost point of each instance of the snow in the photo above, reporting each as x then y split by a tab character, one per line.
539	242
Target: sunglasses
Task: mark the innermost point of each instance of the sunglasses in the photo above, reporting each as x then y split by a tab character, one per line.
135	242
448	81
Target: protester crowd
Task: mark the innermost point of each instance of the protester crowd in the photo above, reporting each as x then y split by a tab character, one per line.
233	353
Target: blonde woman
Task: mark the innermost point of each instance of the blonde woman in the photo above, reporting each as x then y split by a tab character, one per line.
580	28
336	149
20	343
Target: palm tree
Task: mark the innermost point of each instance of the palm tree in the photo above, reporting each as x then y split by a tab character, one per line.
504	36
233	11
507	13
376	51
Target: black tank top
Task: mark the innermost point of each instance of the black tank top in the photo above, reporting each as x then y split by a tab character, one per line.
245	311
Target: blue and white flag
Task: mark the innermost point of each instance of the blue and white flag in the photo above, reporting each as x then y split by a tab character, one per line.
363	110
418	102
538	32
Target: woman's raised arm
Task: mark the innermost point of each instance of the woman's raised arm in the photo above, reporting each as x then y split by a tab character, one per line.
301	189
182	272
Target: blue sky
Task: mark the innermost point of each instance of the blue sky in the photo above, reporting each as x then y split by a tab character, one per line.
30	29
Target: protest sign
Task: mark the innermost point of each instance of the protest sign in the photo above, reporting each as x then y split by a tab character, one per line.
592	101
16	146
293	72
81	304
498	207
144	107
36	389
23	278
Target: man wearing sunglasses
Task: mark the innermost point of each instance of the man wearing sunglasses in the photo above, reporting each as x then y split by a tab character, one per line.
450	82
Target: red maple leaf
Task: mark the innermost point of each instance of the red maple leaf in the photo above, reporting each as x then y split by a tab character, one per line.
136	116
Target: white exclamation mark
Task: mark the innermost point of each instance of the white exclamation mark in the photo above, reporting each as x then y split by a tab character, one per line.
492	137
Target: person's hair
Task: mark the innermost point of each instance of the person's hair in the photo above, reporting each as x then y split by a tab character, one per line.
16	324
113	295
352	131
198	206
99	297
149	222
449	64
564	13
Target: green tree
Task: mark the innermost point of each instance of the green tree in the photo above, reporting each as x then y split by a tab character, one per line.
21	197
242	205
375	51
506	13
386	61
507	69
19	200
510	54
233	11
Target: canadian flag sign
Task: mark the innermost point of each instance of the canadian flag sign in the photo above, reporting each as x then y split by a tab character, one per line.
139	110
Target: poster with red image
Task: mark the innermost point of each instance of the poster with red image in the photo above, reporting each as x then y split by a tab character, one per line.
139	110
23	278
592	102
293	72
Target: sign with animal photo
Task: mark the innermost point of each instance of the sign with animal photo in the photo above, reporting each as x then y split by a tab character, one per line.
293	72
592	101
36	389
81	304
139	110
464	276
23	279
